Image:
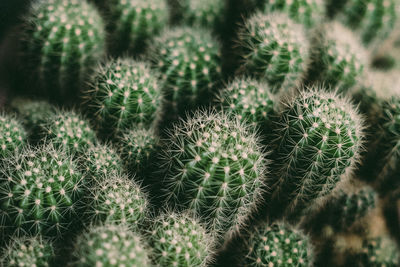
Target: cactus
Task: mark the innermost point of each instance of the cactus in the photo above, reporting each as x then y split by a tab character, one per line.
133	22
62	40
215	168
372	19
274	49
278	245
28	251
124	93
180	240
378	252
70	131
118	200
337	58
41	191
110	245
190	61
206	13
13	135
319	138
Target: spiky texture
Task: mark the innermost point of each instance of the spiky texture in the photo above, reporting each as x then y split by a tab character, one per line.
190	62
28	252
319	137
274	49
133	22
124	93
41	191
180	240
63	39
206	13
13	136
110	245
373	19
215	168
118	200
337	57
68	130
379	252
278	245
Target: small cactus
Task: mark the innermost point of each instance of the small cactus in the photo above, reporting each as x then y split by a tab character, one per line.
278	245
62	41
275	50
206	13
180	240
379	252
215	168
124	93
13	136
41	191
110	245
28	252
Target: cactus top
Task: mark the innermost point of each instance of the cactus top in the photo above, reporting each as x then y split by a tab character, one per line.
12	135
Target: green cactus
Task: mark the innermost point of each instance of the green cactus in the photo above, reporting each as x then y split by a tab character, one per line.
379	252
70	131
274	49
190	62
28	252
118	200
319	138
278	245
124	93
180	240
41	191
62	40
206	13
337	57
13	136
215	168
373	19
110	245
133	22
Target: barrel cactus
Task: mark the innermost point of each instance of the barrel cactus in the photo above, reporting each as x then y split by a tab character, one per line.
13	136
215	168
28	252
378	252
180	240
41	191
124	93
206	13
110	245
62	40
274	49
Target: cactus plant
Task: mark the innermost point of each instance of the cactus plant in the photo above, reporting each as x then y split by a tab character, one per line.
110	245
373	19
190	62
28	251
378	252
124	93
180	240
319	138
41	191
278	245
274	49
62	40
337	57
118	200
13	135
215	168
207	13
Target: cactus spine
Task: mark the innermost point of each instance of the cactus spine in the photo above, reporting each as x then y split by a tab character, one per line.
13	135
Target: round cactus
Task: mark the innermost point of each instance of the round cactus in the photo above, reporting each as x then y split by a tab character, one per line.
337	58
206	13
274	49
68	130
190	61
378	252
13	135
133	22
124	93
28	252
319	138
110	245
180	240
278	245
373	19
62	41
41	191
215	168
118	200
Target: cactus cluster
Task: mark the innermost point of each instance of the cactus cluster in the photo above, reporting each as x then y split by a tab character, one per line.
13	135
